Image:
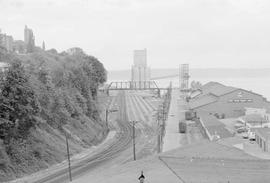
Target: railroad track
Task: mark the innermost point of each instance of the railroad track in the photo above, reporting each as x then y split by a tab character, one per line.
122	142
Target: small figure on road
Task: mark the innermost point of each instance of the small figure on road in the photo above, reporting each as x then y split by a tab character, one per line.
141	178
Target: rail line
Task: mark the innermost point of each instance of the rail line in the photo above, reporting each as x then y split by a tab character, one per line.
122	142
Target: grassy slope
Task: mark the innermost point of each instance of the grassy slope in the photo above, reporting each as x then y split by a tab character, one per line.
45	144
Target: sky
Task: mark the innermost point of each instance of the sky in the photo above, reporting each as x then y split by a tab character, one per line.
203	33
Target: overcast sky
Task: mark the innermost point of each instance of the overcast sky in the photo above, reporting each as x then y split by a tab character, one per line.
204	33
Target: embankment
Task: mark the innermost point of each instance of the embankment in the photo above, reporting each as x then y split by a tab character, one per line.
46	95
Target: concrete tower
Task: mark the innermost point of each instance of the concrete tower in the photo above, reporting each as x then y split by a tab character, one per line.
140	70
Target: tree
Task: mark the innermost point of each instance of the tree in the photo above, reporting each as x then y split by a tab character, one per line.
52	51
75	51
3	53
18	104
30	47
95	72
1	39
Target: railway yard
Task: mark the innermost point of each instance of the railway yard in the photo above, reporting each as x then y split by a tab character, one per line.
117	150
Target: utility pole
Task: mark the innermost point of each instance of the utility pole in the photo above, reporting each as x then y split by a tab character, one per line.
163	113
69	167
106	117
160	121
134	150
133	138
158	137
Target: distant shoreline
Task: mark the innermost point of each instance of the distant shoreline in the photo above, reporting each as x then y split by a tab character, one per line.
256	80
198	73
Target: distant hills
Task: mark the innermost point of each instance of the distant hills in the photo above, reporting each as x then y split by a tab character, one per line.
197	73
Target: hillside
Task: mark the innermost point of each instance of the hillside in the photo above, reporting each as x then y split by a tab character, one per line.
46	95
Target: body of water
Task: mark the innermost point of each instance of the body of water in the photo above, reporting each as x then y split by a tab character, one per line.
260	85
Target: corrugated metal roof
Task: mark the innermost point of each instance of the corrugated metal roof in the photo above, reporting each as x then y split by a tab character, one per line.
214	126
210	93
203	100
217	88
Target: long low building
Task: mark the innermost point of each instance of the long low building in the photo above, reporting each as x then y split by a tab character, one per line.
225	101
214	129
262	136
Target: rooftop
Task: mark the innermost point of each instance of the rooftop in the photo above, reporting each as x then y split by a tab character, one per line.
217	89
210	92
207	149
201	101
214	126
200	162
265	132
254	118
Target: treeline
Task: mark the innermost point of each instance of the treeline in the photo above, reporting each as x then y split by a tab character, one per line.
45	88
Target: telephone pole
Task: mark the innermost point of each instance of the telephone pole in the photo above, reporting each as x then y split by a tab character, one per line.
160	122
69	167
134	150
133	138
107	113
159	137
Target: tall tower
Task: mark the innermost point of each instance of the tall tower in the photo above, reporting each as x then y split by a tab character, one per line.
140	71
29	39
43	46
26	34
6	41
184	77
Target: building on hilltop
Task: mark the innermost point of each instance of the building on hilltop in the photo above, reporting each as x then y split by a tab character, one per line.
75	51
19	47
43	46
6	41
28	35
29	39
140	71
4	66
226	101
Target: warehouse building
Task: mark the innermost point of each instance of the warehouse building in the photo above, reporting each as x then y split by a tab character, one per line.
213	128
225	101
262	136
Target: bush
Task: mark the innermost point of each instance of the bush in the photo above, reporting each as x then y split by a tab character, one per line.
18	103
49	90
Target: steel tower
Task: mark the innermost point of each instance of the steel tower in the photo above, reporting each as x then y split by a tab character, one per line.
184	77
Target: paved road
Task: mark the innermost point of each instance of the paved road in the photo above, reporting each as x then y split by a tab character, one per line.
122	142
